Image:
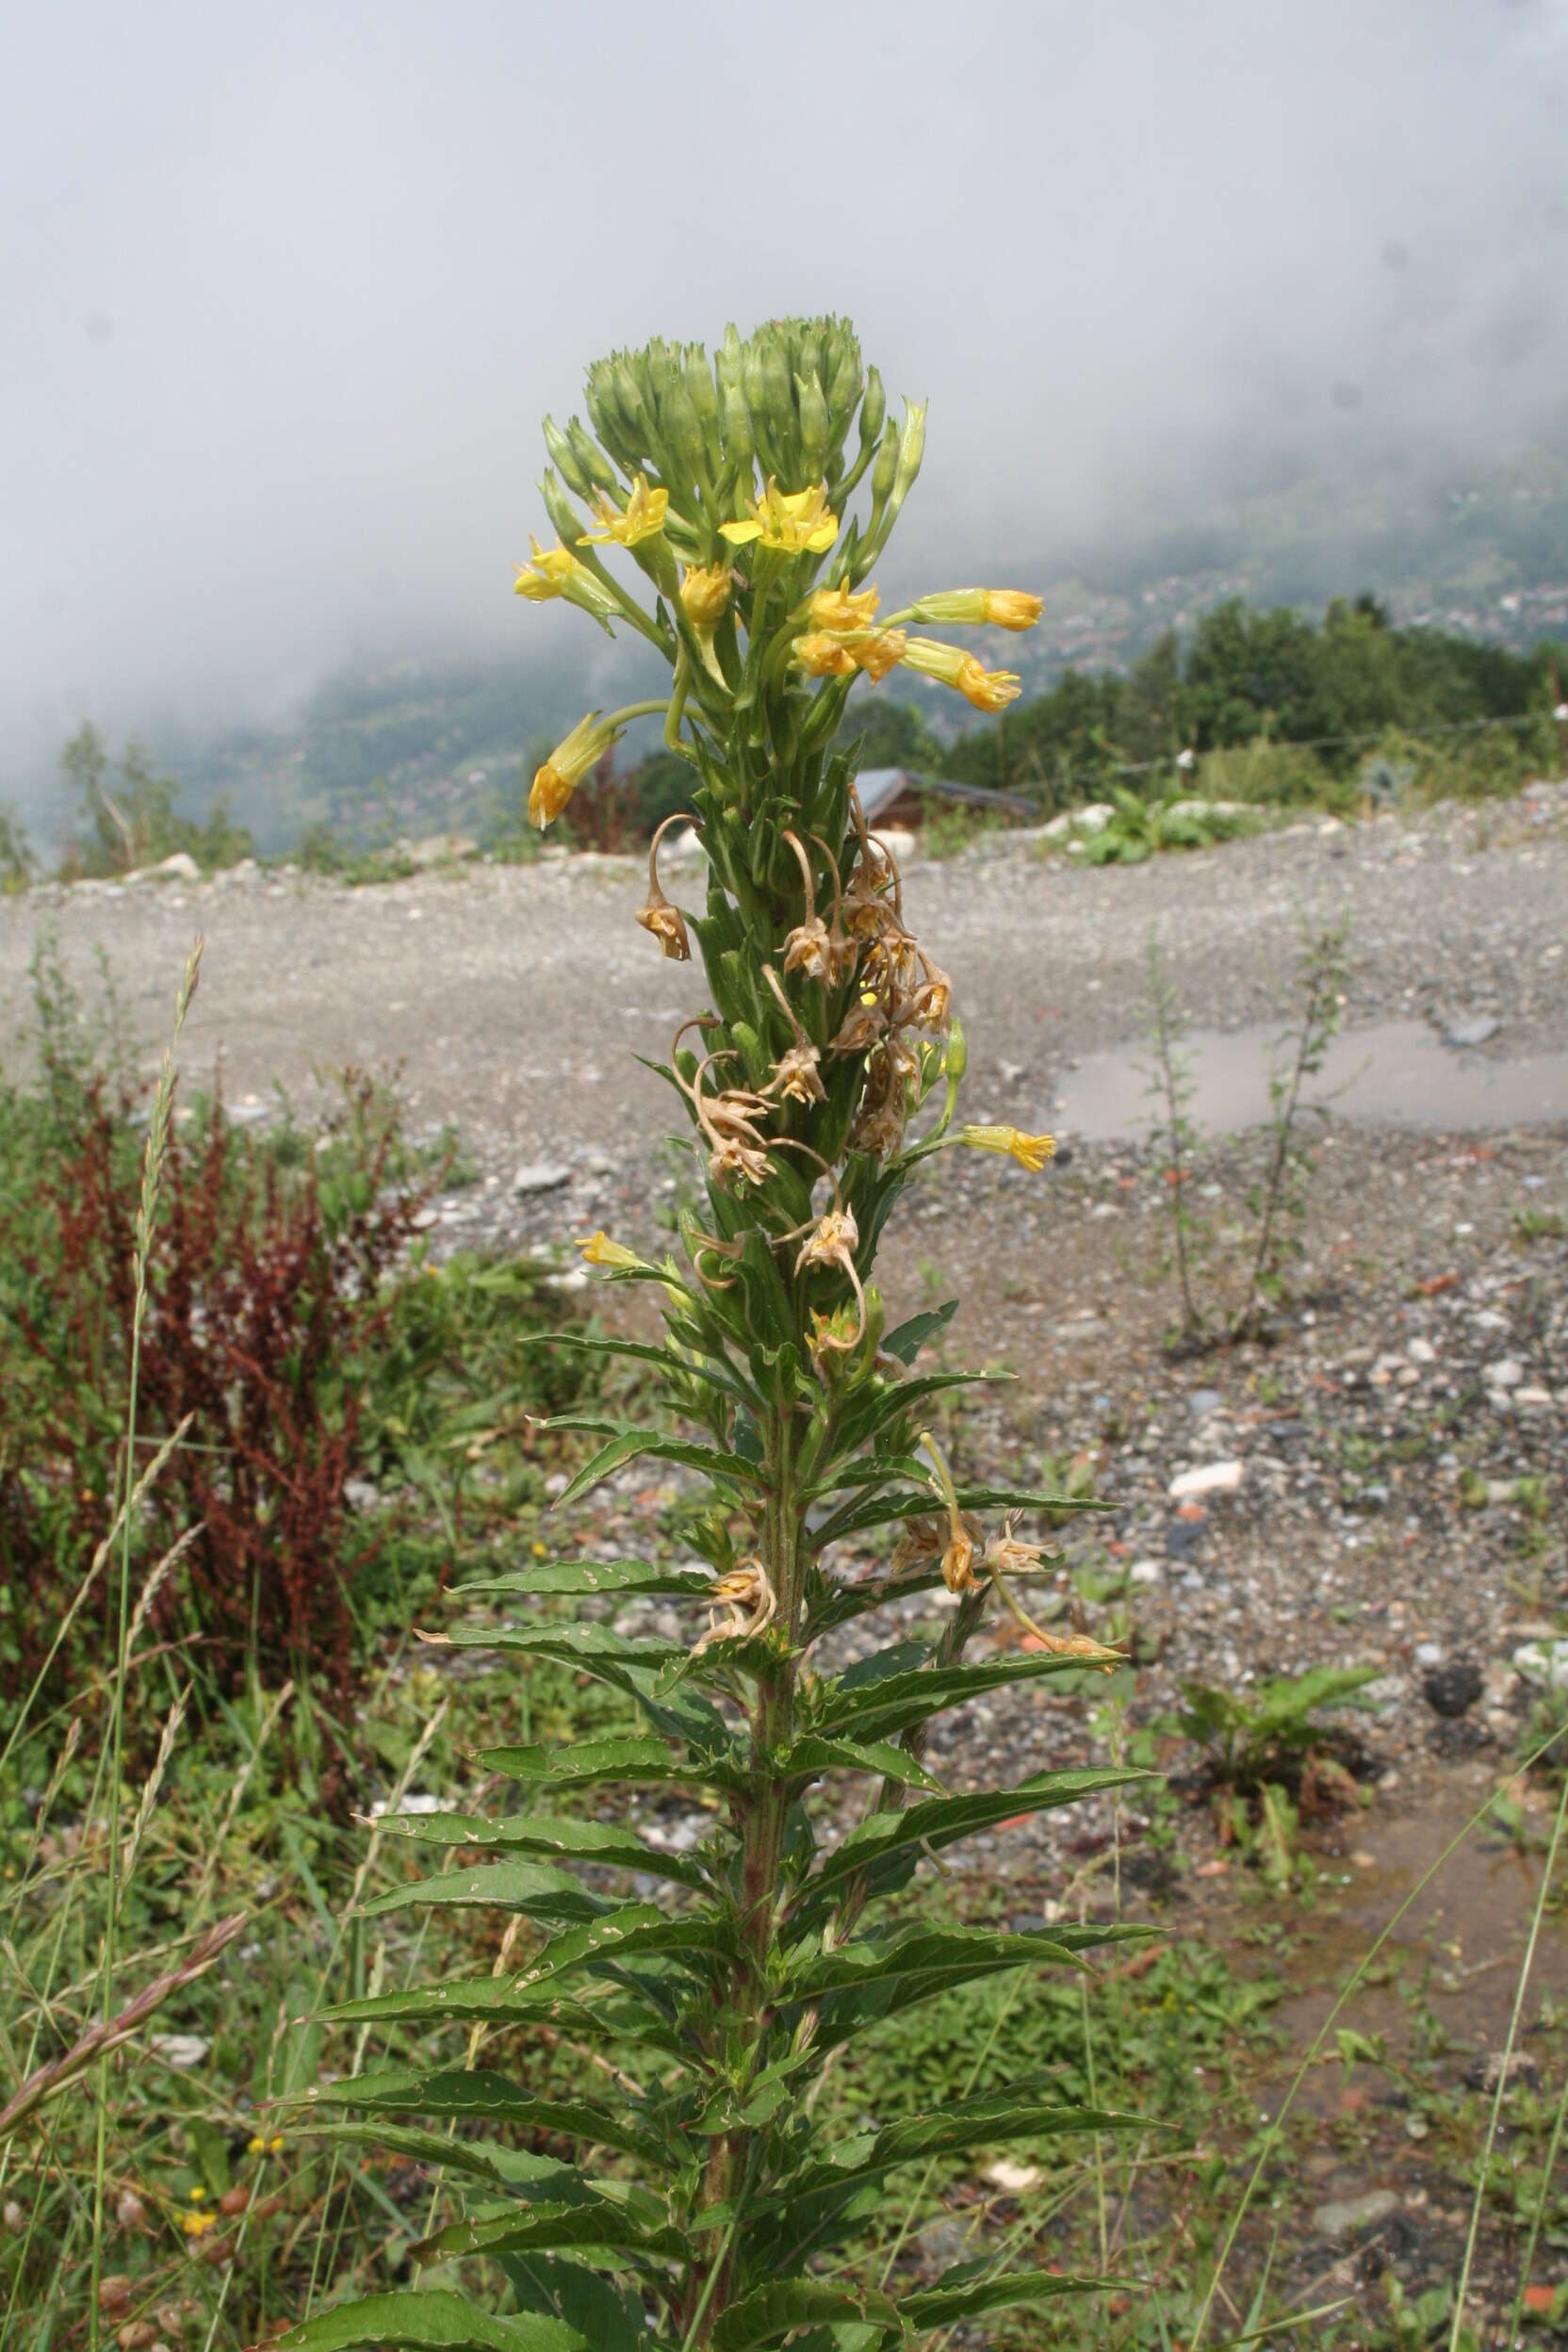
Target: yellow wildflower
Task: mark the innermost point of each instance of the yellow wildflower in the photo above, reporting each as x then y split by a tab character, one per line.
1002	608
989	689
598	1250
568	763
878	651
643	517
1030	1151
787	521
257	2146
841	611
821	656
194	2224
704	594
546	575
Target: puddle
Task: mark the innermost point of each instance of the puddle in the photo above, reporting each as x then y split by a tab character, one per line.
1463	1938
1398	1073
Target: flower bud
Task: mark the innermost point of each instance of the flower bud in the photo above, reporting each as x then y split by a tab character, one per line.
726	361
683	431
699	385
568	763
957	1055
739	446
564	458
813	423
558	506
705	594
777	398
591	457
884	472
873	408
843	384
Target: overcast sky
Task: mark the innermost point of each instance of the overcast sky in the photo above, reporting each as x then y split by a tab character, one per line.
286	291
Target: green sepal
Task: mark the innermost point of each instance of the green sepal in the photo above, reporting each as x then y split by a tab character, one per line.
407	2322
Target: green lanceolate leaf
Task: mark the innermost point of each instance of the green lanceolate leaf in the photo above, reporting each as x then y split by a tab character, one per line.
942	2305
770	2311
964	2123
883	1509
636	1762
630	1444
906	1339
881	1711
509	2168
604	1842
495	2000
533	1889
599	2224
609	2315
481	2091
719	1372
591	1576
589	1649
812	1755
958	1954
428	2323
943	1821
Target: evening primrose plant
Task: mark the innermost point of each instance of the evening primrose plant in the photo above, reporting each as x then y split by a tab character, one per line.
702	2202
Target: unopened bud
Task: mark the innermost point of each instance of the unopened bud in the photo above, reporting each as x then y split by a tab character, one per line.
684	430
590	456
727	360
699	385
777	400
885	471
564	458
911	448
873	408
843	383
739	446
814	423
957	1053
558	506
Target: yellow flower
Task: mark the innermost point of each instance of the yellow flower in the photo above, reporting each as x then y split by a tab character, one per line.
198	2196
1003	608
879	651
542	1551
643	517
989	689
568	763
821	656
787	521
194	2224
838	611
704	594
1030	1151
547	575
598	1250
259	2147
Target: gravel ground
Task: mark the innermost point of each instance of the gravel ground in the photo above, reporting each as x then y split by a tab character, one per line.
1378	1510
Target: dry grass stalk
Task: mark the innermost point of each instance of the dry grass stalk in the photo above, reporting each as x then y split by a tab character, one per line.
148	1797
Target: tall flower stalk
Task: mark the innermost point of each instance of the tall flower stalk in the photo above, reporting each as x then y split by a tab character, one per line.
746	500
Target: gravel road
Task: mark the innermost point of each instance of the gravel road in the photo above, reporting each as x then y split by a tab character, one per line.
516	997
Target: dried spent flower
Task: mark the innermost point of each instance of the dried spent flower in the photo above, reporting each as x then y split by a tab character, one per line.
750	1600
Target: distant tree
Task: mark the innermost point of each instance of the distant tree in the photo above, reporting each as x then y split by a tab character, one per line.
17	862
894	735
139	821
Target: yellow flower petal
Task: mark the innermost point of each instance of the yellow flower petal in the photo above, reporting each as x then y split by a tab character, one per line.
1031	1152
642	519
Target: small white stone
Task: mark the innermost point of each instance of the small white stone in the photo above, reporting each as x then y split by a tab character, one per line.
1146	1572
541	1176
1506	1372
1535	1399
1421	1351
1213	1478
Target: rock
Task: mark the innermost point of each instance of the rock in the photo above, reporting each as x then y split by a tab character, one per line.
1146	1572
438	849
1093	817
1474	1031
1213	1478
897	841
1012	2180
1342	2215
179	867
1203	1401
1532	1398
1544	1663
1506	1372
183	2051
1453	1690
541	1176
1421	1351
